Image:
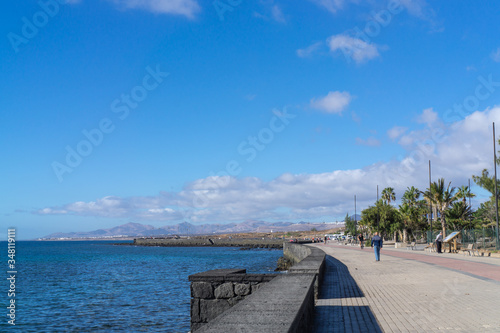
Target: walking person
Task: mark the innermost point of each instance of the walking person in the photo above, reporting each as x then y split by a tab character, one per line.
377	244
361	241
439	242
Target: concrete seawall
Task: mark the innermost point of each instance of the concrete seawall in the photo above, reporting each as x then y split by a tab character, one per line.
215	291
258	302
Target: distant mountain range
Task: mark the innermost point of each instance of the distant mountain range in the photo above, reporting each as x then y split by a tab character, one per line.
132	229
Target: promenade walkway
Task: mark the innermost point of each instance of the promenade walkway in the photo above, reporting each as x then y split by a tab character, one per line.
407	291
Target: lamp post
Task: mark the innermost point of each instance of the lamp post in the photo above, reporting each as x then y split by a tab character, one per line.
430	205
496	191
355	219
377	212
470	206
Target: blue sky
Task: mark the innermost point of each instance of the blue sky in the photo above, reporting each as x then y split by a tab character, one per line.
160	112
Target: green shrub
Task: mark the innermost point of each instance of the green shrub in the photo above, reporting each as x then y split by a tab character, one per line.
368	242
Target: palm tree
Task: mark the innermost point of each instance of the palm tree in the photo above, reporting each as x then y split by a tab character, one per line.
388	195
458	214
409	209
406	212
441	198
464	193
411	196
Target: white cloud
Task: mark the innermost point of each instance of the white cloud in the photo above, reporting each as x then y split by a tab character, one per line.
370	142
278	14
188	8
457	152
355	48
428	116
310	50
331	5
408	139
334	102
495	55
416	8
270	11
396	132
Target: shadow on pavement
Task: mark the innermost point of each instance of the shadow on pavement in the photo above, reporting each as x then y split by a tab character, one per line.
333	311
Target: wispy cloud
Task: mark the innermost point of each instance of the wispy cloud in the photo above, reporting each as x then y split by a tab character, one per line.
396	132
457	152
310	50
331	5
416	8
428	116
355	117
334	102
278	14
269	11
370	142
188	8
355	48
352	48
495	55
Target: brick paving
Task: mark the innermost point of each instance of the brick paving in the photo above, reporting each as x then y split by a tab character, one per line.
407	291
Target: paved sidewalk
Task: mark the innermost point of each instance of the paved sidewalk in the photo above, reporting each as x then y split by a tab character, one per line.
407	291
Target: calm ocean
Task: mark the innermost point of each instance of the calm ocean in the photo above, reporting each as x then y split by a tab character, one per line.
99	287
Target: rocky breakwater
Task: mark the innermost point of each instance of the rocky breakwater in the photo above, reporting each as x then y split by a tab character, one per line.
245	243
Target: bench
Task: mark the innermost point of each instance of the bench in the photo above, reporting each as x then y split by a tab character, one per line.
411	246
470	250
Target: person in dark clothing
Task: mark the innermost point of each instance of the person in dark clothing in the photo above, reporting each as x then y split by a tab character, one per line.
439	242
377	244
361	241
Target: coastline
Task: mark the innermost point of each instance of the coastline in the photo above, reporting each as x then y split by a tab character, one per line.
210	242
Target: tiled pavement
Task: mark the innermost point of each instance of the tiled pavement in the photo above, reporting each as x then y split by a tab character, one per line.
407	291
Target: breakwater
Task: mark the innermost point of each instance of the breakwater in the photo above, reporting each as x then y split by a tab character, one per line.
250	243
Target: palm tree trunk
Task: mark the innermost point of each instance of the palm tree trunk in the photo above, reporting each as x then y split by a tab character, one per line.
443	225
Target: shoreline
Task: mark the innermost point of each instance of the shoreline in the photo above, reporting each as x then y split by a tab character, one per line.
246	243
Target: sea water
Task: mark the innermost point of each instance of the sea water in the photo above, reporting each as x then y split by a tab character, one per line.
94	286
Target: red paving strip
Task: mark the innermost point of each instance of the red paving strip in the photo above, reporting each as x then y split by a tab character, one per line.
473	268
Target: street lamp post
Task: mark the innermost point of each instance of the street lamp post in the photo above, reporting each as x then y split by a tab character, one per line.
430	205
378	226
355	219
496	191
